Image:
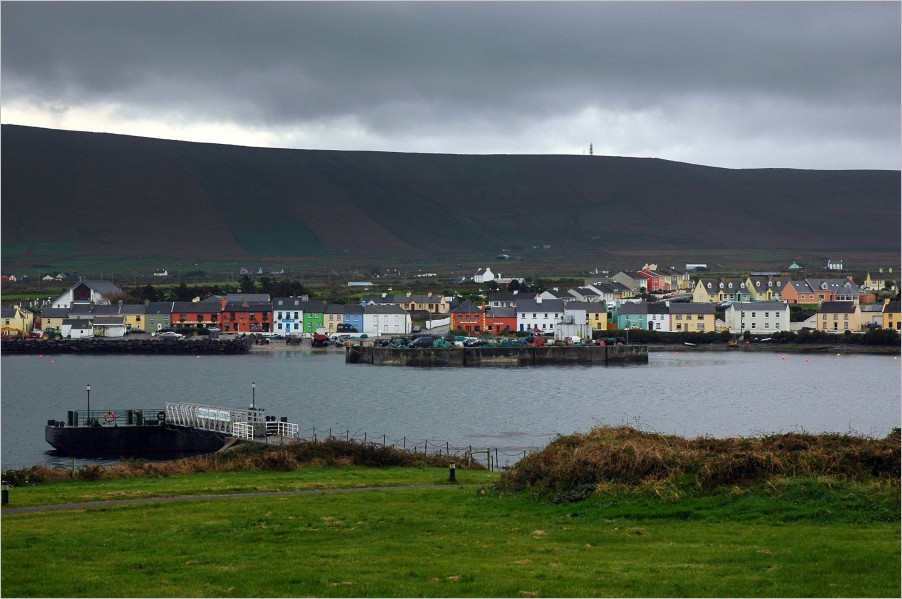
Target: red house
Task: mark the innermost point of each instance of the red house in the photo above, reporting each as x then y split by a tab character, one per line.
467	317
656	281
196	314
501	320
247	317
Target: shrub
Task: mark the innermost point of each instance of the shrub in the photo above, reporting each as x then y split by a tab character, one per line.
627	457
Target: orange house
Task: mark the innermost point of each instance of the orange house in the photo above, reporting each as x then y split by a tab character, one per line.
501	320
195	314
467	317
246	317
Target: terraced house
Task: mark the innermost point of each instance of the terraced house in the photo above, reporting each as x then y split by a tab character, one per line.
288	315
839	317
757	317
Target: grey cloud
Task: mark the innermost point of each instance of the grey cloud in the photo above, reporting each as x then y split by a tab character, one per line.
402	66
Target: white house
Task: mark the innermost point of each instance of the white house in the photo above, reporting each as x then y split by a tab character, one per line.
109	326
385	319
757	317
288	315
483	275
76	328
539	314
96	292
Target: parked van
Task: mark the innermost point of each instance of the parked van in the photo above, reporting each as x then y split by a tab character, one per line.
424	341
345	328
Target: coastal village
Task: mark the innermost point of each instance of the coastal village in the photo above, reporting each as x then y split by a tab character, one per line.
652	298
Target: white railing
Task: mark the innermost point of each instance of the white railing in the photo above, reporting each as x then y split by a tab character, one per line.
211	418
242	430
244	423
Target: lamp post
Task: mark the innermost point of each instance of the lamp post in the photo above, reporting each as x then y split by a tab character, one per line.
88	389
253	396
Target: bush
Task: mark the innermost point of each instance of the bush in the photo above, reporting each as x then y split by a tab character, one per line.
627	457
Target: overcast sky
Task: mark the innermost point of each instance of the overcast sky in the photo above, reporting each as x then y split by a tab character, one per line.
739	85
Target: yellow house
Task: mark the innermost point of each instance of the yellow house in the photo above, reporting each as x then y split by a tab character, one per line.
693	317
333	316
52	318
18	318
134	317
706	291
892	319
597	318
839	317
762	288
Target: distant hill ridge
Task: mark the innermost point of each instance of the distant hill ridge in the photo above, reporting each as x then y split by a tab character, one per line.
101	194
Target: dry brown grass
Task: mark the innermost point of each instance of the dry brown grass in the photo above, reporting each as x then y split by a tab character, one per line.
241	458
663	464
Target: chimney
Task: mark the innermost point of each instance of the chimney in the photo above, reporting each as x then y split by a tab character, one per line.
146	303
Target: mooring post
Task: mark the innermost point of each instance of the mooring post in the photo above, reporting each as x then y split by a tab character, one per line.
453	473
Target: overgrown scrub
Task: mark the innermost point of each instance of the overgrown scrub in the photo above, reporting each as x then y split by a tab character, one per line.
669	466
274	458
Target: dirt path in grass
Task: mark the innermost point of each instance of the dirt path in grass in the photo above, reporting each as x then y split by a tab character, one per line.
143	500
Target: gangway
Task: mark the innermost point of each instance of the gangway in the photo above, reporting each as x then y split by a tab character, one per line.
243	423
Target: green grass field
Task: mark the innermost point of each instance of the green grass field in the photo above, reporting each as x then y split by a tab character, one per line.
812	536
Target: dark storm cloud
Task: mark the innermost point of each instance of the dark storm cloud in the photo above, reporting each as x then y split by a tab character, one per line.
800	74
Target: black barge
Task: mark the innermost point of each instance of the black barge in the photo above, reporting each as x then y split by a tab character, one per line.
175	429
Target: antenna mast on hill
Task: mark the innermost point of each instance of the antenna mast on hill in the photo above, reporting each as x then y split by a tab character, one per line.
590	149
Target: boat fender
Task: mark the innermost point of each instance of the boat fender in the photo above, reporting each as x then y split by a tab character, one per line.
161	416
109	417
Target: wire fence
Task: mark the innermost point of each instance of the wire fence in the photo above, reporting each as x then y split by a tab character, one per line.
492	458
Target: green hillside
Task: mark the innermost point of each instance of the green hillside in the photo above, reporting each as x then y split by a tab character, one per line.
73	194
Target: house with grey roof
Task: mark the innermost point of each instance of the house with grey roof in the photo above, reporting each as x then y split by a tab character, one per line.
288	314
157	316
539	314
96	292
385	320
839	317
757	317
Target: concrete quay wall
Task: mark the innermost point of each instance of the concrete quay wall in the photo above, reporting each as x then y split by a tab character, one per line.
498	356
101	345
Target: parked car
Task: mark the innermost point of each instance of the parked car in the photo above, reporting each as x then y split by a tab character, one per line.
170	335
424	341
416	330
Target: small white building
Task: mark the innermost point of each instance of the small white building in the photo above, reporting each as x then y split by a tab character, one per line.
109	326
76	328
483	275
757	317
539	314
385	319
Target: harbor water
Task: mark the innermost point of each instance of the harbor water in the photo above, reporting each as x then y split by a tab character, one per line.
514	409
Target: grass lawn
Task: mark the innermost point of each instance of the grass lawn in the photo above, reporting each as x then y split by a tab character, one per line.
805	539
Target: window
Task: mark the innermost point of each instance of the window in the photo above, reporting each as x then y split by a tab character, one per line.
679	317
279	315
767	315
700	326
679	327
753	315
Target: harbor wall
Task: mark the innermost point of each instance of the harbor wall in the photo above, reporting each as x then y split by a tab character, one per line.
498	356
104	345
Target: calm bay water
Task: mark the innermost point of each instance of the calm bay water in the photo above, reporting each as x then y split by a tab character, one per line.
684	393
